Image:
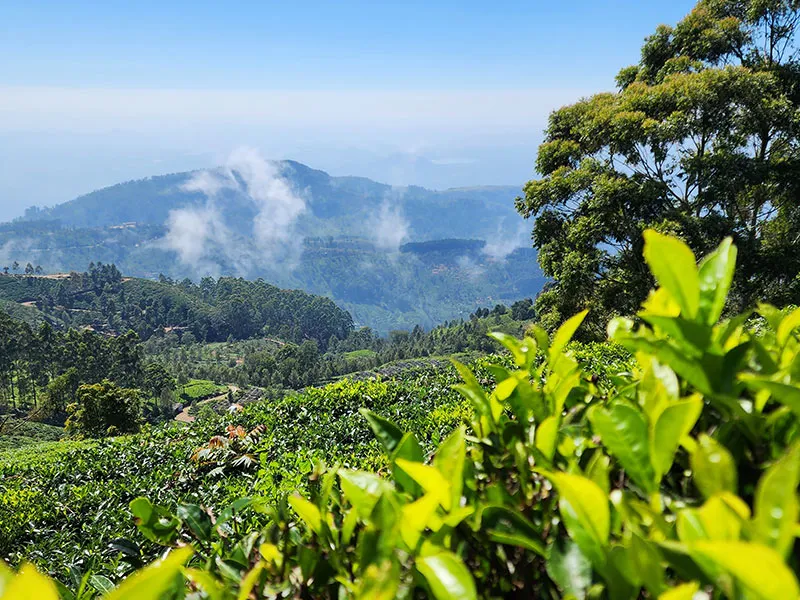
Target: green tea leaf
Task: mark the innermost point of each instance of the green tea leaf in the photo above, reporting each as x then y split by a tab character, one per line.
430	479
507	526
213	588
584	508
408	449
547	436
308	512
684	591
674	266
716	520
776	506
715	278
647	560
714	468
564	334
387	432
447	577
450	460
674	422
759	569
156	523
523	351
154	581
787	327
624	431
29	584
363	490
570	569
249	582
197	520
416	517
101	583
784	393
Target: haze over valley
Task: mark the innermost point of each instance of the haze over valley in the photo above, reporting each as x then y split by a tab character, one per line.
395	256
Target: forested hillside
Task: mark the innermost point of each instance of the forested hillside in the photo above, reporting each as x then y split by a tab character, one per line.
337	236
385	290
212	310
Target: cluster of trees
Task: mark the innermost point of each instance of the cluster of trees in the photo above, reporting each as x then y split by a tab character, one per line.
700	140
29	269
89	381
54	362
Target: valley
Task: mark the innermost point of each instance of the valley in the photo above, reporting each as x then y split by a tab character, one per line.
393	257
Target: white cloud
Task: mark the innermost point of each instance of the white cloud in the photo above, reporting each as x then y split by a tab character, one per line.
201	237
506	240
389	227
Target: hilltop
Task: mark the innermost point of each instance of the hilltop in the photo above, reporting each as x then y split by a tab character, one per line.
394	257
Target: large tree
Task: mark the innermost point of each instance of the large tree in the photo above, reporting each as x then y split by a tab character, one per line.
699	140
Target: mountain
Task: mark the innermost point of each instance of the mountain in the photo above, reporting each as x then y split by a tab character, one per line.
357	241
337	205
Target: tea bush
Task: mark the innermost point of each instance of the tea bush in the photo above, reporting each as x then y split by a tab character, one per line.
64	506
676	478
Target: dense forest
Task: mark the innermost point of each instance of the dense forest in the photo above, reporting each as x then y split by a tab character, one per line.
270	363
211	310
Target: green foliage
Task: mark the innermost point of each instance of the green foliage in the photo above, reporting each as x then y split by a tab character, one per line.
40	370
700	141
212	310
199	389
64	505
15	433
104	409
678	475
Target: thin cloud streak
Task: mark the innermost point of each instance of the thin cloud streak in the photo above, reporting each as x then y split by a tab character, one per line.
98	109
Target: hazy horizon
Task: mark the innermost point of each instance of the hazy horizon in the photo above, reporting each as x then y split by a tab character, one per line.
434	95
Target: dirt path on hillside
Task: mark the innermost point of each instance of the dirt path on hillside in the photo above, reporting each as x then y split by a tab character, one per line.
185	417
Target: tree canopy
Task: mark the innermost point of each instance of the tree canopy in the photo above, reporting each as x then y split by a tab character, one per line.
700	140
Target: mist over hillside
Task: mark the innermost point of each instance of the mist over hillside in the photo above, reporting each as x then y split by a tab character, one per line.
350	238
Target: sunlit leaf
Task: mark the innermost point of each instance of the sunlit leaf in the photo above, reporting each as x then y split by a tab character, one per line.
715	278
447	577
308	512
564	334
674	422
387	432
776	505
450	460
624	431
430	479
759	569
547	436
674	266
152	582
584	508
29	584
713	466
570	569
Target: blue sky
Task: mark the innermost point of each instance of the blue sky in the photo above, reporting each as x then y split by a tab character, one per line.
96	92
